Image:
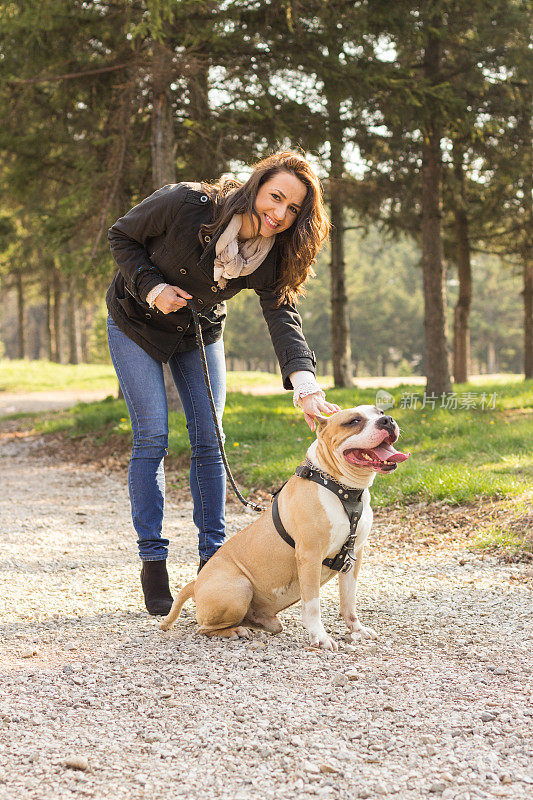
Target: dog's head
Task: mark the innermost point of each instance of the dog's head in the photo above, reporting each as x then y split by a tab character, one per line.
360	440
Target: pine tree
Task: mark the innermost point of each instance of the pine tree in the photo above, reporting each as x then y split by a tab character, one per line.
446	56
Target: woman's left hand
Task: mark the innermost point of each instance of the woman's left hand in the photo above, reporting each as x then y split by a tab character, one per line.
313	404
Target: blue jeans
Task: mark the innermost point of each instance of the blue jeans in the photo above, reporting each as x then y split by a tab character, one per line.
142	383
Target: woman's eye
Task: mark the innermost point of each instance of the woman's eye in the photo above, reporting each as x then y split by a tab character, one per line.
294	210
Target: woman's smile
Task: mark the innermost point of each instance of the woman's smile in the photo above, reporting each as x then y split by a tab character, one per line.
271	222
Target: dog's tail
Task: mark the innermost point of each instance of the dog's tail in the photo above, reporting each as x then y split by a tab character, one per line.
177	605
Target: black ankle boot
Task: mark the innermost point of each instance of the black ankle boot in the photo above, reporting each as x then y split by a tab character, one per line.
154	582
203	562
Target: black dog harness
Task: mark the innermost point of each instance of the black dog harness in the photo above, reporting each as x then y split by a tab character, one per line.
352	504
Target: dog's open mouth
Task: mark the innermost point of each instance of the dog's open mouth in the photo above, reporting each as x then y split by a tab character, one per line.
382	458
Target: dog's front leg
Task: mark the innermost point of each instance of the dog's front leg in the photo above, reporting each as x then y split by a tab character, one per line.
309	570
347	584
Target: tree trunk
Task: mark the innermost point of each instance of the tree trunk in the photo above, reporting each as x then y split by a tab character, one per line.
56	293
33	326
526	248
437	368
340	320
21	316
163	147
200	154
461	330
48	320
173	398
84	326
528	316
122	117
163	144
72	326
491	358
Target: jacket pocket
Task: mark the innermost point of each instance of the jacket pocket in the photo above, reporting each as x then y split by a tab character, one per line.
134	309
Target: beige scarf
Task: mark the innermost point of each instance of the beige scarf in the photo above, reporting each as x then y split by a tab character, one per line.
234	258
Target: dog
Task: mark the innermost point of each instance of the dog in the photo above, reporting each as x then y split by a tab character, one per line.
257	573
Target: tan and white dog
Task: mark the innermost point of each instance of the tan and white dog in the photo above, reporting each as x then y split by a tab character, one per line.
256	574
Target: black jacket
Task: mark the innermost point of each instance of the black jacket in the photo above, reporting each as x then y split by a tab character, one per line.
157	242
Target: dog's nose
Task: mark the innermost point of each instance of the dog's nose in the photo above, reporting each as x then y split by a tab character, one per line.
387	423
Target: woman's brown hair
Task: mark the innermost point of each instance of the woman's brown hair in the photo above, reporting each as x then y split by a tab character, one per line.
299	244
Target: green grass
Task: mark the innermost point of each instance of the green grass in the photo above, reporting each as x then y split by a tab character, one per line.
39	376
496	538
457	456
35	376
510	531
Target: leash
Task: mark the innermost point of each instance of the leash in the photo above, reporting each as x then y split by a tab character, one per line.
201	348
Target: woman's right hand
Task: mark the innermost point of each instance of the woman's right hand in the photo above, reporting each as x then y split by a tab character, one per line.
171	299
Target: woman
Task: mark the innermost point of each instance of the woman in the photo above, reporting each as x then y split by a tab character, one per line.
205	243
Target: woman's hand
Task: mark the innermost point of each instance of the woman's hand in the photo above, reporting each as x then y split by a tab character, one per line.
313	404
171	299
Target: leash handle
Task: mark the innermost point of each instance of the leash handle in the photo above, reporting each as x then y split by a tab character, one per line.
203	358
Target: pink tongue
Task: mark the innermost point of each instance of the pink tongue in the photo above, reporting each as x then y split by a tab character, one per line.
386	452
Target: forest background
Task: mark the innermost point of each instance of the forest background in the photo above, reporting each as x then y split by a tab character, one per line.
415	115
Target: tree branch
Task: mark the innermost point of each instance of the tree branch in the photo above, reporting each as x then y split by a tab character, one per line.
67	75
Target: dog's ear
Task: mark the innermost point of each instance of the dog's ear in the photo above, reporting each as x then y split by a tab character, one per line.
320	422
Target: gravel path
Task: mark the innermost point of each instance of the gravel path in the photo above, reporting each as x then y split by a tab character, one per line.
96	702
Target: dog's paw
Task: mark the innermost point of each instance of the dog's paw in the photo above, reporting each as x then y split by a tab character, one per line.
324	642
360	633
243	633
233	634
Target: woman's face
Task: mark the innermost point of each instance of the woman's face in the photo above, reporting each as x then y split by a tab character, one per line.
278	202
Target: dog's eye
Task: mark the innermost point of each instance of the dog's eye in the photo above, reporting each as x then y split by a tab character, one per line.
353	421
